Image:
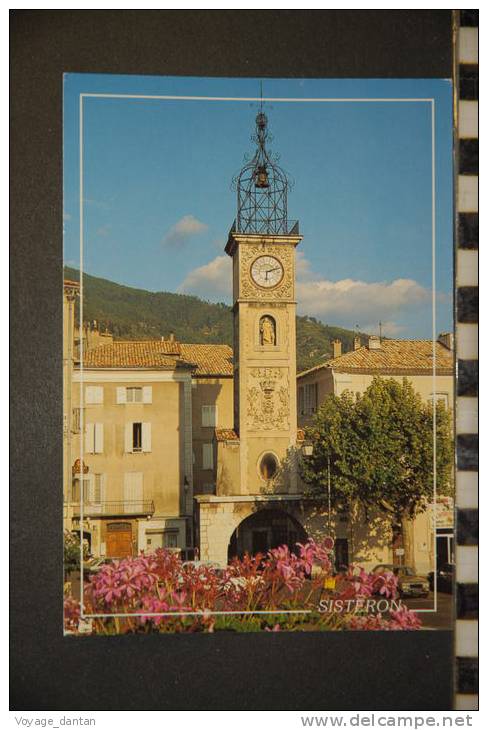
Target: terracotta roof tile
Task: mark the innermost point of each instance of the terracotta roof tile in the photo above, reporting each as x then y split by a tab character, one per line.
226	434
145	354
209	360
395	356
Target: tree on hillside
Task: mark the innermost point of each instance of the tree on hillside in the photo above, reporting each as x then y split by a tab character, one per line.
377	450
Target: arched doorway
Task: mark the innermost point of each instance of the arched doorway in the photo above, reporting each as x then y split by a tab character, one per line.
264	530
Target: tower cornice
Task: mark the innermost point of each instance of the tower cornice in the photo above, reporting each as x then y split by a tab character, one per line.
268	239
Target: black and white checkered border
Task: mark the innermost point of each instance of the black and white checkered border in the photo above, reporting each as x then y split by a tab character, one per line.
466	308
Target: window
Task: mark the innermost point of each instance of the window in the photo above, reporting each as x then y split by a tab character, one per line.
137	437
308	399
76	488
134	394
76	420
268	466
207	454
170	538
96	488
93	488
209	416
93	394
440	398
94	438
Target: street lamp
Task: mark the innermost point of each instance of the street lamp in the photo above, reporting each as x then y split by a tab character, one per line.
307	448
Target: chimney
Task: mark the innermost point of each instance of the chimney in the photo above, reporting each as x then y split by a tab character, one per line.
357	342
374	342
162	338
171	336
446	339
336	348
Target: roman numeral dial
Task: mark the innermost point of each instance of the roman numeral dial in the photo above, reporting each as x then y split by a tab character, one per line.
266	271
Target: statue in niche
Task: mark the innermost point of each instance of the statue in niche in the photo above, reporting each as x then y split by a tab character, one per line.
267	331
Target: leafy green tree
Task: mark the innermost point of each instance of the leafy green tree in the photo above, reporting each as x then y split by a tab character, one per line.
377	450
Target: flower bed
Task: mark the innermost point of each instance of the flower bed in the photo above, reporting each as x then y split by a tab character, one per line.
281	590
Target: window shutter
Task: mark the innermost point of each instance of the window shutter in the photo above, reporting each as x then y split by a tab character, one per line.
103	484
207	456
209	416
128	438
94	394
91	488
133	490
95	489
98	438
90	438
147	394
121	395
146	437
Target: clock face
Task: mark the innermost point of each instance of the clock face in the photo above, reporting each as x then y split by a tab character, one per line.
266	271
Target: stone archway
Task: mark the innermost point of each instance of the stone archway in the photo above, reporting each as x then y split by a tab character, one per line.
263	530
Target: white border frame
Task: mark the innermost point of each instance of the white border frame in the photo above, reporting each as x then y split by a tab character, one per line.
321	100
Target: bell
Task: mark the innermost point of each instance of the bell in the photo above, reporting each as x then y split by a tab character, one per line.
262	177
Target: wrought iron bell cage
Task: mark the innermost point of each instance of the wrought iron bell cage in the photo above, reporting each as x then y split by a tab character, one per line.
262	189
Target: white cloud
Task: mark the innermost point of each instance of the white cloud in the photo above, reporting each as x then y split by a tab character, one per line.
182	230
346	302
363	302
211	281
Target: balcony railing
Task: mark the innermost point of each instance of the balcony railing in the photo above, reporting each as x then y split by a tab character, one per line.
115	509
278	227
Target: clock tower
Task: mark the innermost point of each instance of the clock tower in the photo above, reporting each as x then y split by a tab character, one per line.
262	245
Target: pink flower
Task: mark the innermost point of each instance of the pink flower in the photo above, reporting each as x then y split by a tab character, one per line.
406	619
71	613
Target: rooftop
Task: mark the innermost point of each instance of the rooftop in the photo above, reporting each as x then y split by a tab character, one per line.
408	357
206	360
226	434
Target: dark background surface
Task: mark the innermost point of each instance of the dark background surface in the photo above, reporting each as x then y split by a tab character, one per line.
346	671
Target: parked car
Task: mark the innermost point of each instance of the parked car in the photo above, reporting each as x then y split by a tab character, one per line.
409	582
445	578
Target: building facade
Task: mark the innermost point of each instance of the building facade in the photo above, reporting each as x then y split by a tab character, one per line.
432	530
142	440
197	447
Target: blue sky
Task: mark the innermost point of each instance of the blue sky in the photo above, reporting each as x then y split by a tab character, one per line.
158	199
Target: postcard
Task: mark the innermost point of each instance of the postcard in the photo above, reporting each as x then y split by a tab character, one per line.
258	355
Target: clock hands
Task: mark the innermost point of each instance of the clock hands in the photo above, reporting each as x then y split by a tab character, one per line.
268	271
262	269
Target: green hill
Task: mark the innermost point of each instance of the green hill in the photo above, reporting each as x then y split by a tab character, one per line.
138	314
